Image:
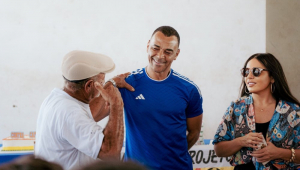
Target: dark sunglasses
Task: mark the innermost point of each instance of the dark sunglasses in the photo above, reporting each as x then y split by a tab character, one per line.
255	71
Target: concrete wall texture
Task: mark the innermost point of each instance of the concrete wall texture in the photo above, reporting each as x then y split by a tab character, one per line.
283	38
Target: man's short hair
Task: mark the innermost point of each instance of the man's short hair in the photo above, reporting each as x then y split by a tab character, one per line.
168	31
78	84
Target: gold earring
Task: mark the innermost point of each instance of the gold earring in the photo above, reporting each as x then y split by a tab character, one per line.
272	89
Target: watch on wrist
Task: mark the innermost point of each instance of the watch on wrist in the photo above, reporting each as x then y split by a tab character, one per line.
113	82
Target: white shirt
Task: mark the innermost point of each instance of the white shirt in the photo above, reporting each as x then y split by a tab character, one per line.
66	132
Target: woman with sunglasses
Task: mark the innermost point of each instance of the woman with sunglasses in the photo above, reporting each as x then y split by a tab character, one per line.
266	110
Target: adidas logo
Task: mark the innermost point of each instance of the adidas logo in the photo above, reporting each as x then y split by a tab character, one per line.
140	97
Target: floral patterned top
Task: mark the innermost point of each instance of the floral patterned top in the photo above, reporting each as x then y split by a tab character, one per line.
283	131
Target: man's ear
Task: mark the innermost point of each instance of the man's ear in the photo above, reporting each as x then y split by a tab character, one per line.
148	45
89	86
177	53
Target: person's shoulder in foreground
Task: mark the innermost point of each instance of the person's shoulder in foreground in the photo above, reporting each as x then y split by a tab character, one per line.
114	165
28	162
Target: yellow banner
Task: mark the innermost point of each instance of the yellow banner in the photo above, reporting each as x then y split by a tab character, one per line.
18	148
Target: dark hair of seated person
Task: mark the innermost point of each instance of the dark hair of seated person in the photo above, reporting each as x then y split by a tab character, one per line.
114	165
29	162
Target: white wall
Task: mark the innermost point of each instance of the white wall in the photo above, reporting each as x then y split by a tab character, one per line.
217	36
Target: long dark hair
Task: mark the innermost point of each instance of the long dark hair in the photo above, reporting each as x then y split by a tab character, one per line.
282	90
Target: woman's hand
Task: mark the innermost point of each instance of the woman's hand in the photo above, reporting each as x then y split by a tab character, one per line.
251	140
266	154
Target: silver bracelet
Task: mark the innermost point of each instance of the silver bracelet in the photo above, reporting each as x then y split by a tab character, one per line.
113	82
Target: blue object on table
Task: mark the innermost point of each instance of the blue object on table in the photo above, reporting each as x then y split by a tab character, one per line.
7	157
206	141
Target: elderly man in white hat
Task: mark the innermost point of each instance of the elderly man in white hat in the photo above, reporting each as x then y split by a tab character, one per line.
67	132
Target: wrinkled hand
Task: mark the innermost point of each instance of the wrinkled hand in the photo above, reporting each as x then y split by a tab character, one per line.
251	140
121	83
111	94
266	154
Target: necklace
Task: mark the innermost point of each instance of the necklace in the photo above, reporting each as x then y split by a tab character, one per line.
263	109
